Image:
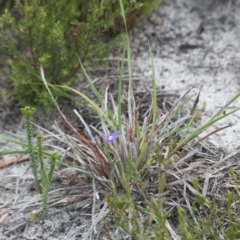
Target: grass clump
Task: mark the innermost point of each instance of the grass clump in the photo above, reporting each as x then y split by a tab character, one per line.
149	164
140	156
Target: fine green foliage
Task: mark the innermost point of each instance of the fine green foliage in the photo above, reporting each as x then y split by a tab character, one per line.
28	114
42	177
209	219
45	177
55	34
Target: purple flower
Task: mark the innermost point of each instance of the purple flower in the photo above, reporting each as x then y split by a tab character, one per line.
109	139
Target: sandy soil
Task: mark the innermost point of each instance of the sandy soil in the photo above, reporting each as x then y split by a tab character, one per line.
194	44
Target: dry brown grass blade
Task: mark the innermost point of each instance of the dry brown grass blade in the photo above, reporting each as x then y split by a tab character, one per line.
217	164
96	219
162	125
14	160
185	158
208	175
172	232
196	102
3	216
211	133
102	163
73	177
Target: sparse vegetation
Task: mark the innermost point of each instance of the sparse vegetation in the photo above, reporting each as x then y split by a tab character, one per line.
159	180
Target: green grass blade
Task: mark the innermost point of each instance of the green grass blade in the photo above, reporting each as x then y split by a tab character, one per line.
13	140
201	129
25	145
220	111
12	152
154	97
94	89
120	80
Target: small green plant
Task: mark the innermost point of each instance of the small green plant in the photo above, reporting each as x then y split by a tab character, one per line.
42	177
211	218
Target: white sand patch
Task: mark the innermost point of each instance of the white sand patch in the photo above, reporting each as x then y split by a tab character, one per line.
193	49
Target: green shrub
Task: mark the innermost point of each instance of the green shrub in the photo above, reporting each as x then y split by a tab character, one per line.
54	34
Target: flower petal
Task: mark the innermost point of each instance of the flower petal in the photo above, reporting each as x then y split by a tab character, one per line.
109	139
115	135
104	136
